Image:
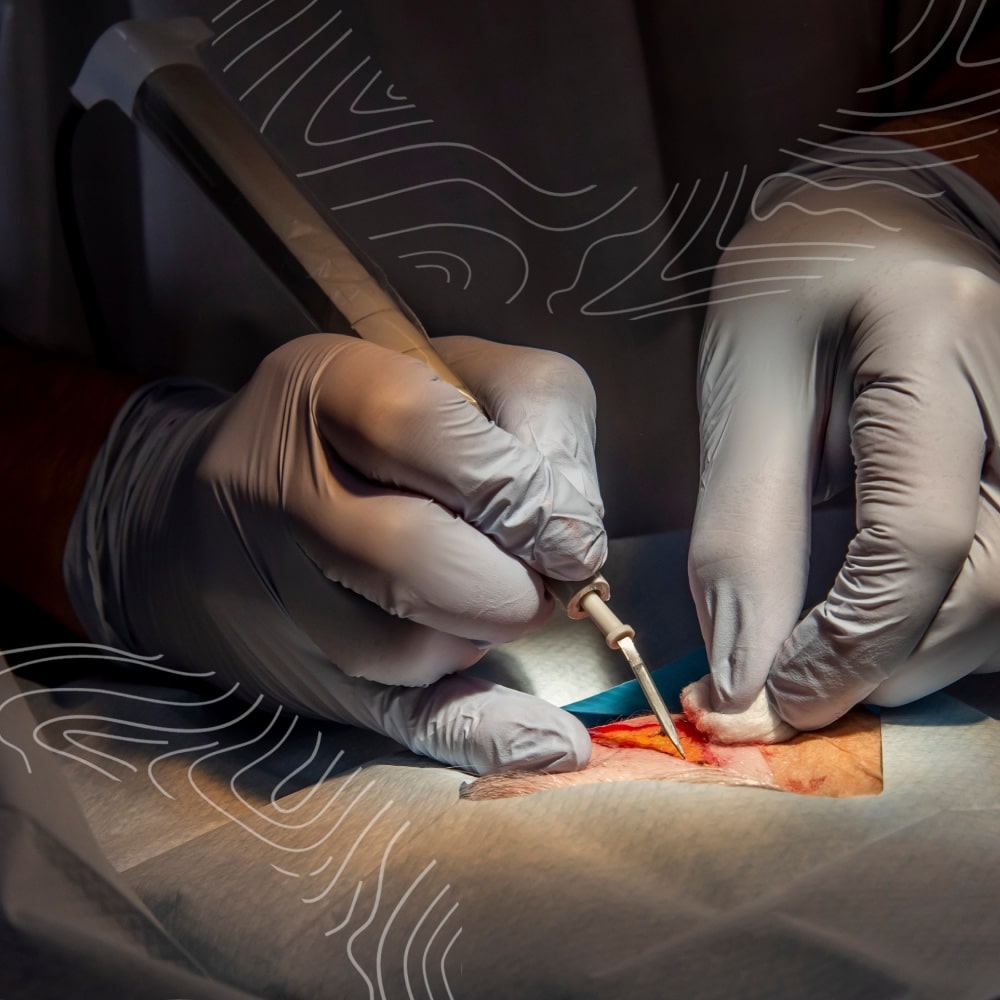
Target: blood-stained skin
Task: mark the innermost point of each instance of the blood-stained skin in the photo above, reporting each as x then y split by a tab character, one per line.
635	750
842	760
644	734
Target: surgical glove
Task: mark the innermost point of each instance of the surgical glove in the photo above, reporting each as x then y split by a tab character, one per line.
348	529
873	332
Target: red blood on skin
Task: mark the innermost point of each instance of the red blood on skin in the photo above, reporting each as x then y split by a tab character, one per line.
644	734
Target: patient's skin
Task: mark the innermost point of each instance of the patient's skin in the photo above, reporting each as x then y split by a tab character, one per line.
729	765
843	760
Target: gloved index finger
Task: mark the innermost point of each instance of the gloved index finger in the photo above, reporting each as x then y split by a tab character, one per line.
396	423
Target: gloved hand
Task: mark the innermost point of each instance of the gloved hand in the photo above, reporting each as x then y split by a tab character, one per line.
847	322
347	530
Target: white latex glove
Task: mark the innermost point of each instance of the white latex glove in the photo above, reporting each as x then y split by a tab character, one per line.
347	525
890	354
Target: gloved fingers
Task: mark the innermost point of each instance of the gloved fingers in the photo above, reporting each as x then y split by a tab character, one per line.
757	723
463	721
543	398
483	727
362	640
762	382
964	636
918	438
390	418
416	560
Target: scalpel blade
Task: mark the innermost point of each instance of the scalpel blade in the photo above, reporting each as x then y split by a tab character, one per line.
627	646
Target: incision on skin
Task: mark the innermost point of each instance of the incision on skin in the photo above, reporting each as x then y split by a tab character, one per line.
843	760
643	733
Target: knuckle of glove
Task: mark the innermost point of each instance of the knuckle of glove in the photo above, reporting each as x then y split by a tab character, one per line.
558	376
543	375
